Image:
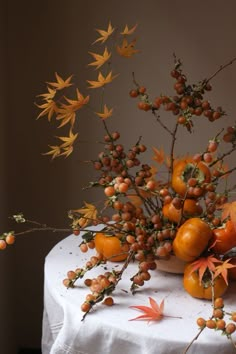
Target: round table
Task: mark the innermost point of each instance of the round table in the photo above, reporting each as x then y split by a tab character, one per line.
108	330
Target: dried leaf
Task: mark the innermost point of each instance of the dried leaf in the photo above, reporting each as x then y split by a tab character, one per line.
48	108
128	31
101	81
55	151
152	313
60	83
100	59
104	34
106	113
159	155
89	213
126	49
79	103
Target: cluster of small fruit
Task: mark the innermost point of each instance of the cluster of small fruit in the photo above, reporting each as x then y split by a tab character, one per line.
189	99
217	320
6	239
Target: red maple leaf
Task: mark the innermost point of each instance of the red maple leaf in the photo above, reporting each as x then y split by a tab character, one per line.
204	263
152	313
229	210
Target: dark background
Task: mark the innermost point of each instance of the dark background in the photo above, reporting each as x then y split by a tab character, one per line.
41	37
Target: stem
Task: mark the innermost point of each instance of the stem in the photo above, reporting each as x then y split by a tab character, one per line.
222	67
193	340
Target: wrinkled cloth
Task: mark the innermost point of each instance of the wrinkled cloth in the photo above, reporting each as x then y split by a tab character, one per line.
107	330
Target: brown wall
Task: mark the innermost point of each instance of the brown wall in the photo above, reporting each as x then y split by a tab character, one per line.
48	36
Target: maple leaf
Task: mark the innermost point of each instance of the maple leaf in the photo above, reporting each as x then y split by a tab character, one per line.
202	264
48	108
106	113
101	81
68	140
104	34
100	59
159	155
128	31
89	212
127	49
67	151
55	151
136	200
60	83
222	270
79	103
66	115
48	95
229	210
152	313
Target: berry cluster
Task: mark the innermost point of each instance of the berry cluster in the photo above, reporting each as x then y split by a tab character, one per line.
217	320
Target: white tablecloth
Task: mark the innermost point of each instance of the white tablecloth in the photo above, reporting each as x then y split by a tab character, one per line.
107	330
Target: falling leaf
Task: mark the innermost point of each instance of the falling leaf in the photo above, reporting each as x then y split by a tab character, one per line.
79	103
67	151
68	140
66	115
128	31
104	34
49	95
127	49
60	83
229	210
48	108
55	151
100	59
102	80
89	213
159	155
106	113
202	264
222	270
152	313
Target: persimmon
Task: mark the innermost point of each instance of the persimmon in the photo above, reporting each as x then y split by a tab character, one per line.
202	290
224	238
185	169
191	208
111	247
191	239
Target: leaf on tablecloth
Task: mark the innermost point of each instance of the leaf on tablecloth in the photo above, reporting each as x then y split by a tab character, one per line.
152	313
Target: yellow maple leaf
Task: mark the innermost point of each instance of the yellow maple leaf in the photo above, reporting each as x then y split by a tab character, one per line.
128	31
48	108
60	83
89	212
55	151
48	95
67	151
79	103
104	34
127	49
68	140
100	59
66	115
106	113
101	81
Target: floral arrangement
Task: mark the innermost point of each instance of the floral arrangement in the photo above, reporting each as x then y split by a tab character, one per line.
191	214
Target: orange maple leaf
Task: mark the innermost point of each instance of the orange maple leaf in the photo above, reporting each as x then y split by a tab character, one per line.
101	81
60	83
127	49
79	103
104	34
100	59
128	31
106	113
222	270
48	108
66	115
202	264
48	95
159	155
229	210
55	151
152	313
